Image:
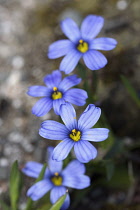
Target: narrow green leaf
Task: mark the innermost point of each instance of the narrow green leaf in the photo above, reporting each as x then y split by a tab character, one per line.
109	166
130	90
29	205
59	203
15	185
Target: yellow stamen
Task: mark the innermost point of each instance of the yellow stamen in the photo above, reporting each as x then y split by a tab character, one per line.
56	179
56	94
82	46
75	135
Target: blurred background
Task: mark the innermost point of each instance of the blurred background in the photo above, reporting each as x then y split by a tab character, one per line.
27	28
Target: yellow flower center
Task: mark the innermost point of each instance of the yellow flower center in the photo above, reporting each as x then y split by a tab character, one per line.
56	94
75	135
56	179
82	46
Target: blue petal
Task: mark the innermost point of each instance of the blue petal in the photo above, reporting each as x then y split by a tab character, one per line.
69	82
39	91
70	61
62	150
42	107
95	134
103	44
91	26
56	193
68	115
76	96
53	165
70	29
76	181
56	105
94	60
89	117
84	151
39	189
32	169
74	167
60	48
53	130
66	203
54	79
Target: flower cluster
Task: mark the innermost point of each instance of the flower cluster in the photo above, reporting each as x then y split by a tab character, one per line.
59	95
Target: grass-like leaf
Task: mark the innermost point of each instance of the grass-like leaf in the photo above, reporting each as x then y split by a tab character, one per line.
59	203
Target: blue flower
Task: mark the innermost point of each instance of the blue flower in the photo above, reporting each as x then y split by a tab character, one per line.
75	133
82	43
56	93
56	179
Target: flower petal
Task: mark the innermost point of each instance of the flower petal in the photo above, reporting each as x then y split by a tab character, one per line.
53	130
53	165
95	134
68	115
56	193
76	96
89	117
74	167
66	203
56	105
32	169
62	150
76	181
53	79
39	189
91	26
85	151
70	29
59	48
69	82
39	91
94	60
70	61
42	107
103	43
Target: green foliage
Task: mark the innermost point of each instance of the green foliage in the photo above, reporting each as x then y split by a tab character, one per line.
15	185
130	90
59	203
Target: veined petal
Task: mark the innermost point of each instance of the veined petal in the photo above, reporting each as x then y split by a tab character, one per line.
91	26
76	181
103	43
39	91
68	115
70	29
54	166
94	60
69	82
95	134
84	151
56	105
74	167
53	130
42	107
62	150
56	193
59	48
39	189
89	117
76	96
53	79
69	62
32	169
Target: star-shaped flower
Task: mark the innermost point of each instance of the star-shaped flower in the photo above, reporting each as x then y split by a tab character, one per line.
82	43
56	179
56	93
75	133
